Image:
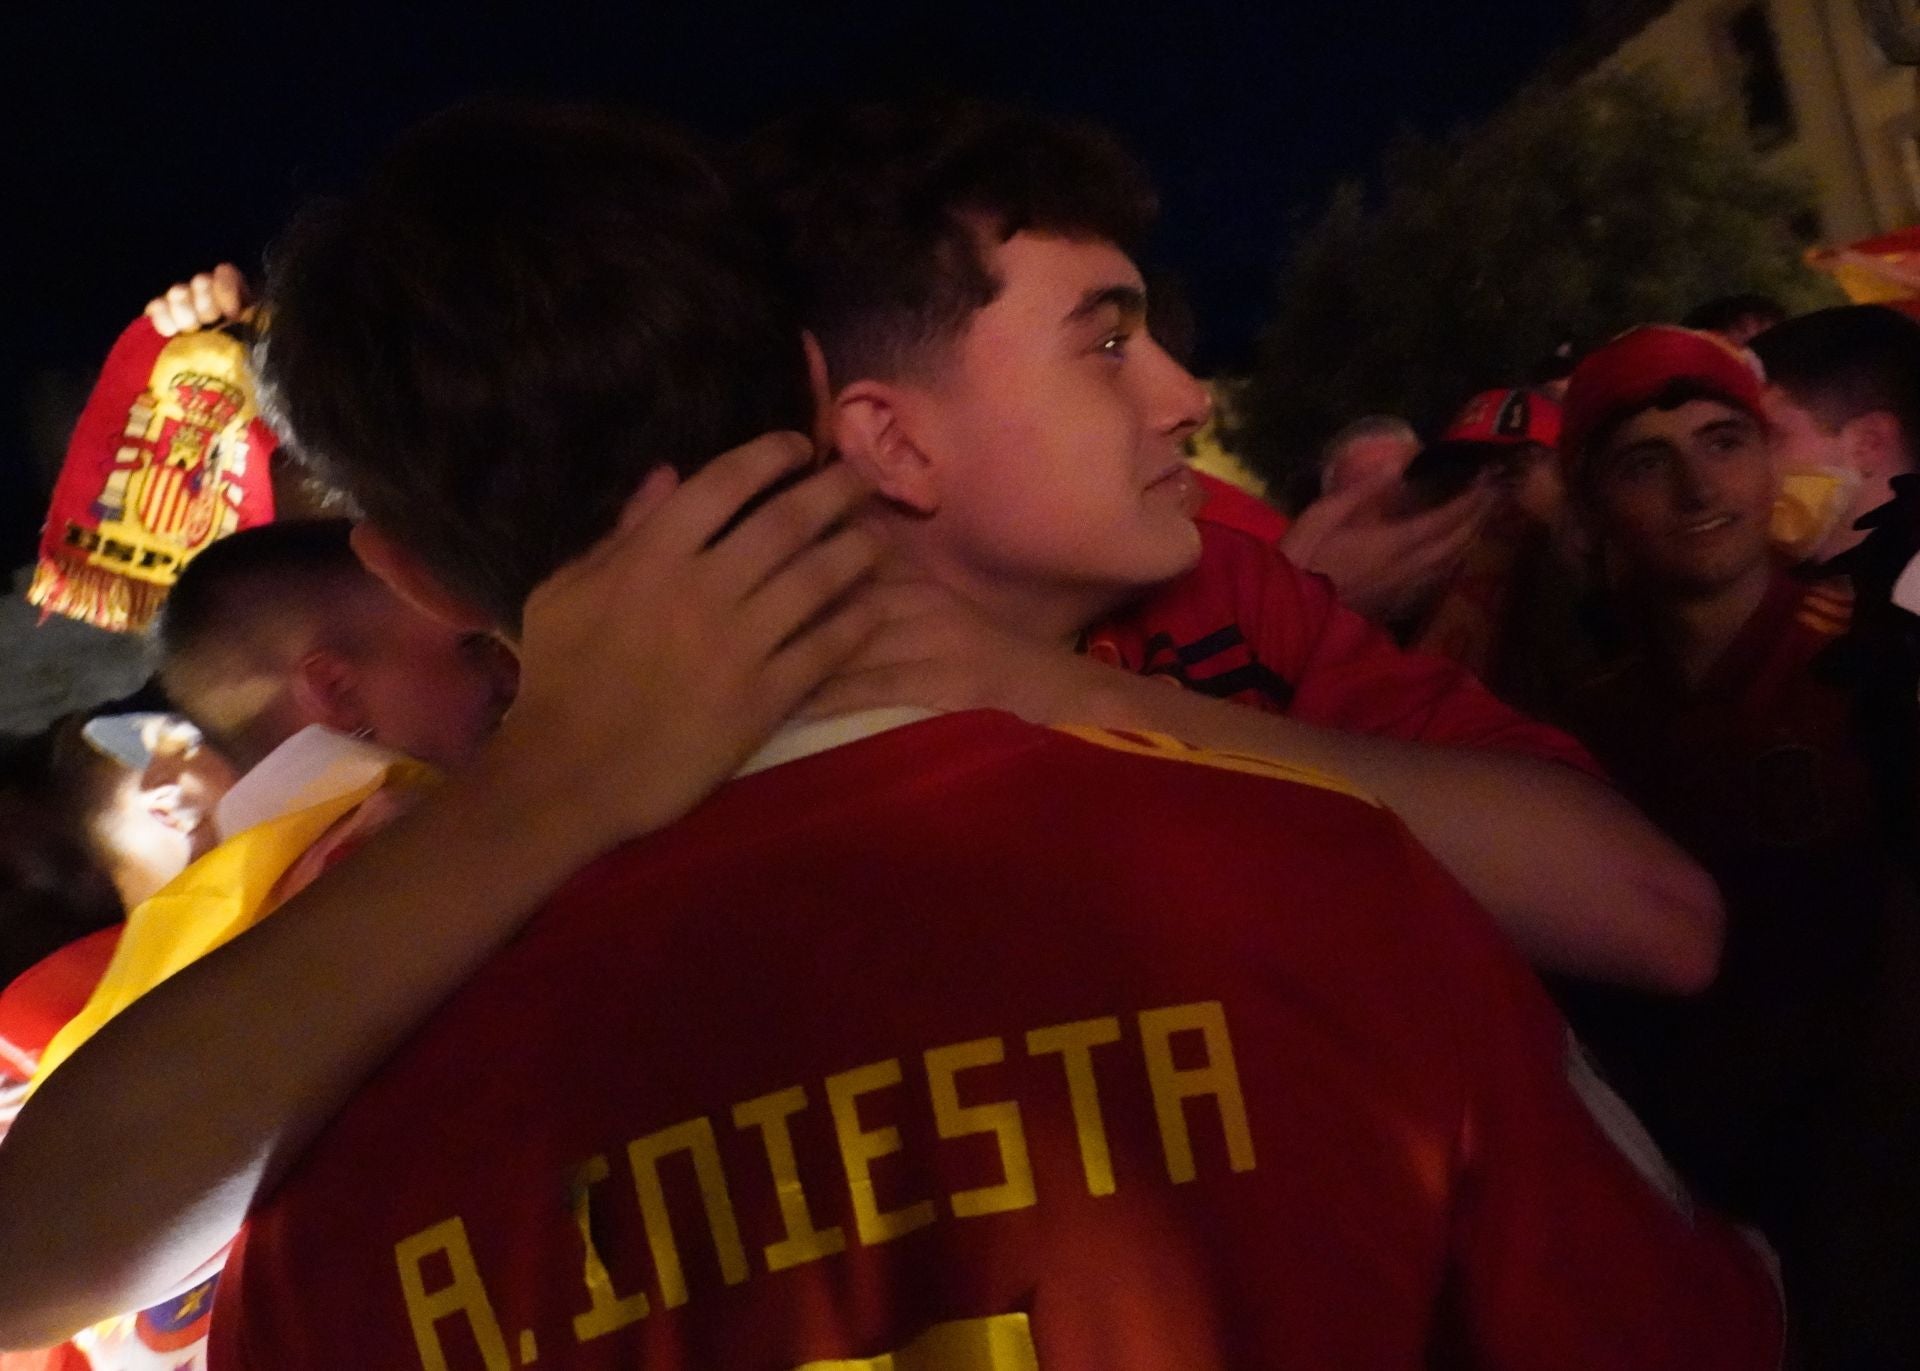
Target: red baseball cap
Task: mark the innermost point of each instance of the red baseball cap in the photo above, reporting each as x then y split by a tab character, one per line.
1507	417
1629	373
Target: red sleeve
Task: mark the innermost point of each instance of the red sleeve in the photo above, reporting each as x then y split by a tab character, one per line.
1572	1244
1232	507
1348	674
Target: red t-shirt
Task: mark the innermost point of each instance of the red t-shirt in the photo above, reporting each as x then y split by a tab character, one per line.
1247	625
974	1035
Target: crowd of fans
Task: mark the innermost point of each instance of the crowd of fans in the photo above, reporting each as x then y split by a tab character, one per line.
739	703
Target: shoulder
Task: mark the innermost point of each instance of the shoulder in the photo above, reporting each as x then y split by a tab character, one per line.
1162	747
1254	831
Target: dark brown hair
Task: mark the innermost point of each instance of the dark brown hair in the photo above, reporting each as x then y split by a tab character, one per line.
882	209
523	310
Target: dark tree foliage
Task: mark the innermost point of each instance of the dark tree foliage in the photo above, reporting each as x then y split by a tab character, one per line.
1575	213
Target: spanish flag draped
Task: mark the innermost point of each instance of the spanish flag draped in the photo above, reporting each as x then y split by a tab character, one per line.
1877	271
214	901
169	454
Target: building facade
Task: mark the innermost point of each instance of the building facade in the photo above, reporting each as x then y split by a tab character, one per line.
1817	95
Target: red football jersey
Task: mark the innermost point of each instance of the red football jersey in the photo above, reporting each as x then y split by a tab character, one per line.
1247	625
1231	507
992	1047
1758	772
1760	757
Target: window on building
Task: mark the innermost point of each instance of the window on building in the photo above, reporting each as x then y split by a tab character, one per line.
1763	85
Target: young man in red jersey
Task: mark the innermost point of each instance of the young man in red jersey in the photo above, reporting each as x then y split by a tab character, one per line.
1718	716
907	1042
964	269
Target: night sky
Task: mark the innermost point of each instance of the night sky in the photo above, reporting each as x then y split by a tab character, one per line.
164	139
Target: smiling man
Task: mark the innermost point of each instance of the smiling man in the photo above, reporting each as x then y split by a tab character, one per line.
1718	720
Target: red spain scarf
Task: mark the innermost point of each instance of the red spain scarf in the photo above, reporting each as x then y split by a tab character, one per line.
168	455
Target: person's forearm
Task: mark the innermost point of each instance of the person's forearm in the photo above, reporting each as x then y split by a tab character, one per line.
1581	881
651	667
290	1018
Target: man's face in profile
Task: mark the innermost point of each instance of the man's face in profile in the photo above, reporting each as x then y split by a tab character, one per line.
1057	423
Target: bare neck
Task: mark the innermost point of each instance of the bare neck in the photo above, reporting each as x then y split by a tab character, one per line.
1050	614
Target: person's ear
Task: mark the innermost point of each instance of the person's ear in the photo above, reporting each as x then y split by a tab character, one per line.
1875	446
326	690
875	433
396	567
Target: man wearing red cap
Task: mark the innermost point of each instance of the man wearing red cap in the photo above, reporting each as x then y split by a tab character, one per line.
1716	719
1478	617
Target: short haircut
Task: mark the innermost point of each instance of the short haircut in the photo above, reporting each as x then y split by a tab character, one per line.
522	311
1848	361
1723	312
884	210
242	615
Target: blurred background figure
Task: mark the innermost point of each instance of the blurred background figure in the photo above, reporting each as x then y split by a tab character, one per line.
1716	715
1496	614
1738	318
1387	555
157	813
95	816
1369	452
1843	404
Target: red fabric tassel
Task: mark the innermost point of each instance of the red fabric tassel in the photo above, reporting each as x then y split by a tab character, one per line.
169	455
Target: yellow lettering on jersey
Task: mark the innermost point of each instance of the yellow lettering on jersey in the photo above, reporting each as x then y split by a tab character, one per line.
1075	1043
465	1295
643	1154
1174	750
1171	1085
1002	1119
859	1149
610	1311
1001	1343
804	1242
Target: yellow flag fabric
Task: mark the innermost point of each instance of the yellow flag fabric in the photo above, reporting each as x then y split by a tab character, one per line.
213	901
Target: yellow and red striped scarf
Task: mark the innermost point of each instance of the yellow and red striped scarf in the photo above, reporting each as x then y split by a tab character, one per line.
169	454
